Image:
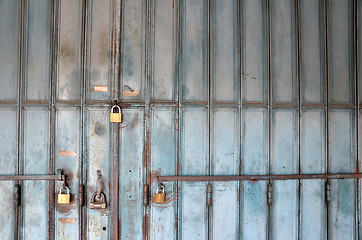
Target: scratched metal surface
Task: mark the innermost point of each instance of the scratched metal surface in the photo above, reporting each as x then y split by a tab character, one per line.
207	88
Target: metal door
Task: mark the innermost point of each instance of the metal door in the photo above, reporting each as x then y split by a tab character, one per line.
207	87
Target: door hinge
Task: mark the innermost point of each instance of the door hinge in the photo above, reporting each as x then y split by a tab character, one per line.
270	194
328	191
81	195
146	194
17	199
209	195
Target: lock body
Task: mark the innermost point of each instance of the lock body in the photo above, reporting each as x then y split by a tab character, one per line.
63	198
98	204
115	117
93	205
160	197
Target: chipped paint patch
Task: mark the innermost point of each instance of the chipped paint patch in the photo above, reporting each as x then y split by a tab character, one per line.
131	93
67	220
65	153
100	88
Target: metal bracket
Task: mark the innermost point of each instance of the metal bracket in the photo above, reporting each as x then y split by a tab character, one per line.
146	199
99	186
81	195
328	191
270	194
17	192
209	195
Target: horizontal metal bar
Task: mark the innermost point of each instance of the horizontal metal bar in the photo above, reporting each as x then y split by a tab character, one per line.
258	177
58	176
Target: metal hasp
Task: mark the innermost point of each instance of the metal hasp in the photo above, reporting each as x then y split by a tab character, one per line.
58	177
98	200
259	177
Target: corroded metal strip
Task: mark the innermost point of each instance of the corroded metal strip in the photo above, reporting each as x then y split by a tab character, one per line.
58	177
259	177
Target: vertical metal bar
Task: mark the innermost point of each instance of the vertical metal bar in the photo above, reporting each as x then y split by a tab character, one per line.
52	92
177	34
240	105
148	75
83	145
22	49
326	94
299	79
270	102
357	113
356	108
210	80
114	127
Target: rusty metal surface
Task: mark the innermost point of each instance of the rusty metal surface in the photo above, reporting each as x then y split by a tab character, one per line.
252	91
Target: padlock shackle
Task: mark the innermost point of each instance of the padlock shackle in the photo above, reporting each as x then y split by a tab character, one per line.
119	109
158	188
102	197
60	190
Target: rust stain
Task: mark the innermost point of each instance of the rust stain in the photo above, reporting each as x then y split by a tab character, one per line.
131	93
155	174
263	104
36	101
281	104
65	153
100	88
7	102
68	102
68	220
313	105
65	208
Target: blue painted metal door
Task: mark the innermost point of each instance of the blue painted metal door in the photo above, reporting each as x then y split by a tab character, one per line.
206	87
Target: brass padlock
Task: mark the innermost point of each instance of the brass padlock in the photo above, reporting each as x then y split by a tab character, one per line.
116	117
94	204
160	196
63	198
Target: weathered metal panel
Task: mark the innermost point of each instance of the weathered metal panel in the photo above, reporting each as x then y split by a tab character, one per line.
194	50
100	50
37	69
9	47
163	161
340	55
313	151
67	138
133	83
164	55
194	161
312	51
254	51
342	221
254	208
69	50
283	51
284	211
98	158
36	161
224	50
131	175
8	162
225	161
